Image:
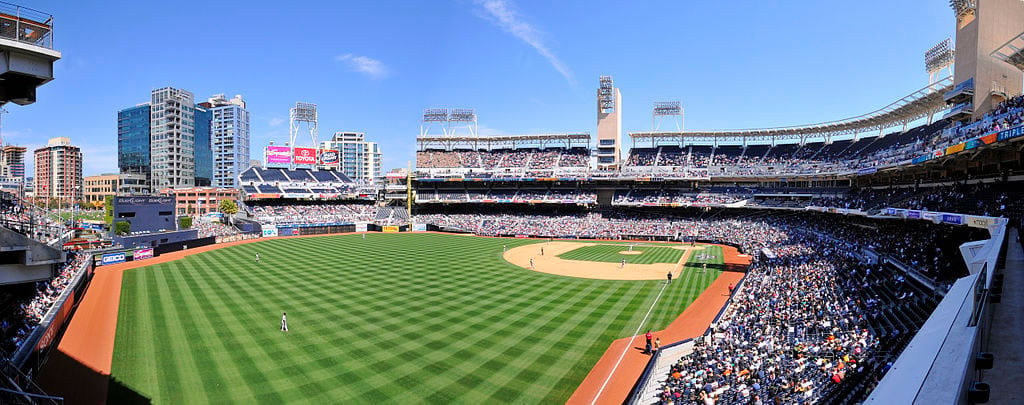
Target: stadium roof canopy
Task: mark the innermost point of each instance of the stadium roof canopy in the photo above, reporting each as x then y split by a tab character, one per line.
1012	51
921	103
503	141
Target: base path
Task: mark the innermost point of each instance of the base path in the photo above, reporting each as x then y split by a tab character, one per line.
693	322
552	264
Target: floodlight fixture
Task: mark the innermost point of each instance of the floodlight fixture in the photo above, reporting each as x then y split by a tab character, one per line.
963	7
606	95
667	110
939	56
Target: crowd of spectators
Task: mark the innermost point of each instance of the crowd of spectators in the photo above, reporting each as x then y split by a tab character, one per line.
313	213
793	333
635	197
515	195
35	223
546	159
31	305
212	228
1008	114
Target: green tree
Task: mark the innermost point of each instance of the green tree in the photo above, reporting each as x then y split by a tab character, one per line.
122	227
184	222
228	207
108	208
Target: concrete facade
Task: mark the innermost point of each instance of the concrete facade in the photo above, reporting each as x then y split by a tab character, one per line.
97	188
609	125
978	34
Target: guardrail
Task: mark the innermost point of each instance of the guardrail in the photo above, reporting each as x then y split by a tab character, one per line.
26	25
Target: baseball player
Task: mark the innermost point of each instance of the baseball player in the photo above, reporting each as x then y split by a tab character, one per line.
284	322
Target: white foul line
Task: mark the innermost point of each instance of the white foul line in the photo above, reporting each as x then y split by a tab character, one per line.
641	325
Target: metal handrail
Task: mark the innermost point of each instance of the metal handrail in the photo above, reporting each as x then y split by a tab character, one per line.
26	25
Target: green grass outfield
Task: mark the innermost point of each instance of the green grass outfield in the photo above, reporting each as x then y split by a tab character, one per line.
610	253
392	318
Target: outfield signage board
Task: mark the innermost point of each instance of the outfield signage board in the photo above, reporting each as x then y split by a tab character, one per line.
329	157
113	258
390	229
279	155
304	156
142	254
419	227
270	232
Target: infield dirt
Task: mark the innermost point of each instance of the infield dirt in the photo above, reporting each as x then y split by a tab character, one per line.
552	264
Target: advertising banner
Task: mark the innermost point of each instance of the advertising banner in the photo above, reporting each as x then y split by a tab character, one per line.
142	254
1010	133
112	258
329	157
980	222
361	226
419	227
269	232
279	155
955	149
913	214
953	219
390	229
305	156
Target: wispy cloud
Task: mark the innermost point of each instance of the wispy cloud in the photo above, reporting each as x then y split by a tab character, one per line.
276	121
364	64
502	14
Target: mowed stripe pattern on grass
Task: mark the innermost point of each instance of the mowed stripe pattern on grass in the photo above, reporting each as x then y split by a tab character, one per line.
610	253
404	317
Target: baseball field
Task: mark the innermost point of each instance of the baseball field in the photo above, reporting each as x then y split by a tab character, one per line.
389	318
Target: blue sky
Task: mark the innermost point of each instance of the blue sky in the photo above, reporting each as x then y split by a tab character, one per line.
526	67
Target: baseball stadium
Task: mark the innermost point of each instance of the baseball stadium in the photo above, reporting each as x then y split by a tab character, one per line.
857	260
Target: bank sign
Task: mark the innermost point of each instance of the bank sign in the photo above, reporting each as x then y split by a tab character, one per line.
113	258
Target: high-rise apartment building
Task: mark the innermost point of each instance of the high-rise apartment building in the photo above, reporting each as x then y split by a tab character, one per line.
58	171
360	159
172	138
12	162
229	135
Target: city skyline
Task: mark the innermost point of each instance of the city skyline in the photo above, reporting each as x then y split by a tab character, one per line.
524	70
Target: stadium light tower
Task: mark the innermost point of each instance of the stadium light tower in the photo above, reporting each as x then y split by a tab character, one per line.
963	8
667	110
939	57
462	118
434	117
302	113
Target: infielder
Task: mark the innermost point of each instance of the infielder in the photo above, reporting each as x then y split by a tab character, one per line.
531	263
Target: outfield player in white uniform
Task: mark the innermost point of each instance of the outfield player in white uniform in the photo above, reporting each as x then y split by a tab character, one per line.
284	322
257	258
